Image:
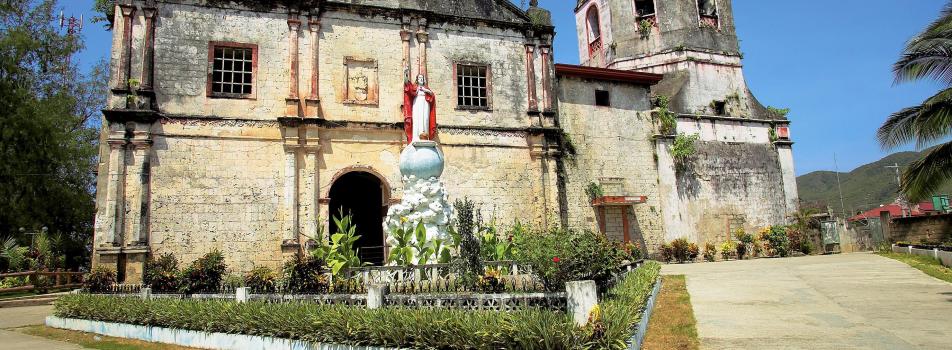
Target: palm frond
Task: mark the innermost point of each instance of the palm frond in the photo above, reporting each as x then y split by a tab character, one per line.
925	124
929	54
926	175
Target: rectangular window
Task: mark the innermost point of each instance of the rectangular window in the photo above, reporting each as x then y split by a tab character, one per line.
644	8
232	70
472	86
602	98
707	11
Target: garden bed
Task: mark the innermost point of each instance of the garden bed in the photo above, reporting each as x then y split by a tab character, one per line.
610	327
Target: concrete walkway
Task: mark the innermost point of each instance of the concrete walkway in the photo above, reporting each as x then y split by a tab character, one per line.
851	301
15	317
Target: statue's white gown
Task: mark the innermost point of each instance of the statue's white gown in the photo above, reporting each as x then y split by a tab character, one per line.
421	115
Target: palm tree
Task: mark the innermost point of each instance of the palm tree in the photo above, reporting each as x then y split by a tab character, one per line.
927	55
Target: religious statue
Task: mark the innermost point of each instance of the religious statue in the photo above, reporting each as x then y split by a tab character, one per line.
419	109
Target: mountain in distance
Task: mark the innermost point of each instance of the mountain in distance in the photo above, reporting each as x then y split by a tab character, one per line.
864	188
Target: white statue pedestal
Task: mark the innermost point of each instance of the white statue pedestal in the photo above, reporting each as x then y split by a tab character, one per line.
424	196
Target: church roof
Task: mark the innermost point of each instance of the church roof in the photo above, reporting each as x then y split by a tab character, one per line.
492	10
596	73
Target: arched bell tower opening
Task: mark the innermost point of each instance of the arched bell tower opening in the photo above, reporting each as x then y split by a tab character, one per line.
362	195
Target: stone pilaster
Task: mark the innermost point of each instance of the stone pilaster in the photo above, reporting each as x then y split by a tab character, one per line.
291	175
148	59
530	77
422	38
312	102
544	53
125	63
293	99
405	35
108	223
138	189
309	190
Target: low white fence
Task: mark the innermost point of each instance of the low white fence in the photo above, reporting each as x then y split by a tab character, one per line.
944	256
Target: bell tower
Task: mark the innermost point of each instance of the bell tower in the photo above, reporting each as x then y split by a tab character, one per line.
691	42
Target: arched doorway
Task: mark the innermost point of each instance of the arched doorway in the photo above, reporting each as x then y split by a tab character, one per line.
361	194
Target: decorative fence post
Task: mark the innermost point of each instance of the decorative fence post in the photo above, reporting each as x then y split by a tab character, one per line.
241	295
376	294
145	293
935	253
581	297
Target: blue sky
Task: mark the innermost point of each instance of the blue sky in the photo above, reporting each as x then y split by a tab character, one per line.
828	61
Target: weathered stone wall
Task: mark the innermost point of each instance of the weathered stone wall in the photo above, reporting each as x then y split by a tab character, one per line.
615	149
917	229
722	187
230	174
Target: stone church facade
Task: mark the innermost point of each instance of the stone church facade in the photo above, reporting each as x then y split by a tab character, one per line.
243	125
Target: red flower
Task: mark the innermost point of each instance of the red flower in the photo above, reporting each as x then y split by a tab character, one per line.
556	259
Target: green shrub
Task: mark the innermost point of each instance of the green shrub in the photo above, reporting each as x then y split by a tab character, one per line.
261	279
710	251
559	256
775	240
806	247
680	249
162	274
341	254
435	328
693	251
727	250
204	274
305	275
468	263
745	243
666	252
632	251
99	280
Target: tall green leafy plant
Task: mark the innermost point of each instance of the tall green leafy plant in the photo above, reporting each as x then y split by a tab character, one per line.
926	56
413	248
205	274
340	253
162	274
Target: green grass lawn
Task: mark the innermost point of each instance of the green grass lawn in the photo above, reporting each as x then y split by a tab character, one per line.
930	266
94	341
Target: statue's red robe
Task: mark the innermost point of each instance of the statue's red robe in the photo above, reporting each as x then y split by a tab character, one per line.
409	93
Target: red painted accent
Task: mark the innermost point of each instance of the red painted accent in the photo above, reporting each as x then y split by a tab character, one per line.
315	27
125	65
607	74
294	26
546	75
148	63
624	223
618	200
783	132
601	219
530	74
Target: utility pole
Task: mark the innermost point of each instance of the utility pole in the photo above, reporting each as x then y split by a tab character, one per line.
902	199
836	169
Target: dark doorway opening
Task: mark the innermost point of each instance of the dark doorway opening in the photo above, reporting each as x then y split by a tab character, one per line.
361	195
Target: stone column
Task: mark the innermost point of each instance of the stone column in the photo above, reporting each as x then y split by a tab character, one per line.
309	190
111	223
545	51
376	294
148	60
530	77
291	176
293	99
422	38
405	35
136	174
581	297
314	28
142	154
125	63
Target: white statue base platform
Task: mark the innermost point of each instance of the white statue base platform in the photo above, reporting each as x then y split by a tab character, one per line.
424	196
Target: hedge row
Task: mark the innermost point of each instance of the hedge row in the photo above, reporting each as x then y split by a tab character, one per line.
392	327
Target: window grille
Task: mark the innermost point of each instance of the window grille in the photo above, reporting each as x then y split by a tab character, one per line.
233	71
472	86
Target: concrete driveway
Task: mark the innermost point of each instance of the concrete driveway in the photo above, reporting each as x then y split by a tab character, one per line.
15	317
850	301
